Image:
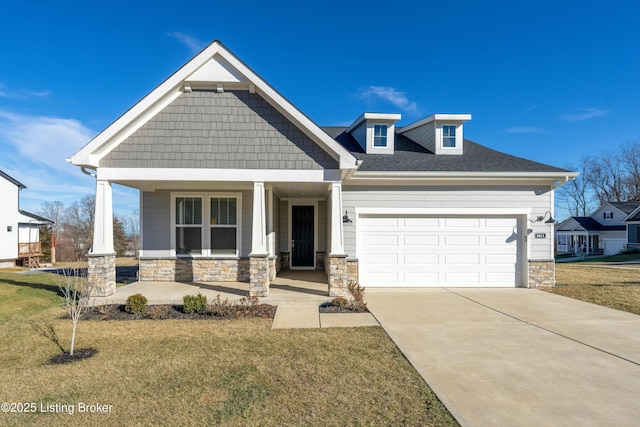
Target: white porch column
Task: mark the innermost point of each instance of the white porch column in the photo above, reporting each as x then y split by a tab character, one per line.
259	230
259	256
101	270
103	223
337	232
338	276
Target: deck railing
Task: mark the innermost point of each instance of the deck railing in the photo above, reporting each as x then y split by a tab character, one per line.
26	249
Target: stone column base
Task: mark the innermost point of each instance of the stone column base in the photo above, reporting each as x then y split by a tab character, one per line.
337	275
542	273
101	274
259	275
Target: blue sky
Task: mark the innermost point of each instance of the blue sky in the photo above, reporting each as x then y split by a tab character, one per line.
546	80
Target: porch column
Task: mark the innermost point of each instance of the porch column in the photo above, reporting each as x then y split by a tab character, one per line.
101	271
337	257
259	256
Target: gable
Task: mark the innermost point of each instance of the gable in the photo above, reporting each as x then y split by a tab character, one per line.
217	70
219	130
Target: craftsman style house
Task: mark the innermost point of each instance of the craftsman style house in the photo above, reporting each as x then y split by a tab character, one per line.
19	230
607	231
236	183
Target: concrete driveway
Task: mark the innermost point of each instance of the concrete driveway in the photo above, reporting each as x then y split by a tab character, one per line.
518	357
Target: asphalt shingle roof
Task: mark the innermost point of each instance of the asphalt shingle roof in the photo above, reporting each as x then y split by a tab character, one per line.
412	157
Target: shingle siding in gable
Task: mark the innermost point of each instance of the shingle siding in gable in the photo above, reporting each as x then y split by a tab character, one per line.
229	130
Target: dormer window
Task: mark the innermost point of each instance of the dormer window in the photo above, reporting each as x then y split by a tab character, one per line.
608	215
380	135
448	136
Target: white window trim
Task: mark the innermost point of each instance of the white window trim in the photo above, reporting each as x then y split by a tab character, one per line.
386	137
457	131
206	226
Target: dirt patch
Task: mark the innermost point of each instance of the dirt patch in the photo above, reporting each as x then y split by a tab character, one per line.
330	307
166	311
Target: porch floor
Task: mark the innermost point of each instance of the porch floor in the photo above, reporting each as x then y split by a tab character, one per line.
297	293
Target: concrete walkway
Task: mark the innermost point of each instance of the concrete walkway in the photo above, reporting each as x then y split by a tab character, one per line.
296	293
518	357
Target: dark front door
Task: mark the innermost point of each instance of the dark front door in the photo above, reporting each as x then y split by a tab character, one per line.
302	246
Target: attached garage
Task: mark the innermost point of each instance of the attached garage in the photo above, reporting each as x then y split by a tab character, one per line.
438	251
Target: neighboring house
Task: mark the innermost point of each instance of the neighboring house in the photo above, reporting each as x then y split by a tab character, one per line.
236	183
19	230
632	222
604	232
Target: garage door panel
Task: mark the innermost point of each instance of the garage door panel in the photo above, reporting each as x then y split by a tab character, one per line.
439	251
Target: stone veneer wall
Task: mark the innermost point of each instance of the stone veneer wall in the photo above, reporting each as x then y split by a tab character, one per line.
542	273
194	269
337	276
259	276
275	264
101	274
320	260
352	270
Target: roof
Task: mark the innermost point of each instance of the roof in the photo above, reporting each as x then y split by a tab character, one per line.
12	180
35	218
590	224
626	207
412	157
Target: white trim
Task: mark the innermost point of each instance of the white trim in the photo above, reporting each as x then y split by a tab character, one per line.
103	223
337	230
436	117
259	227
302	202
230	175
467	176
205	226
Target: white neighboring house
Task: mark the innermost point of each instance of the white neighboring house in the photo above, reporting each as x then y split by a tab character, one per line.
19	230
604	232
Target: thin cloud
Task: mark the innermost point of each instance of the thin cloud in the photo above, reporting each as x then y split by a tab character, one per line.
22	95
584	114
193	44
41	139
389	94
524	129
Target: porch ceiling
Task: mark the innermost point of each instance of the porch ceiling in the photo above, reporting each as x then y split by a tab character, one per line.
310	190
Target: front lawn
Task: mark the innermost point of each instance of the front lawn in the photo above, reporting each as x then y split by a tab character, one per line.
187	372
611	286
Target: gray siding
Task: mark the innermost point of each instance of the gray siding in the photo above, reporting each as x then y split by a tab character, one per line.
424	135
156	221
538	199
229	130
360	135
284	225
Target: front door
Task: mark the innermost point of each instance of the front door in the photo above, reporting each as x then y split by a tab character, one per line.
302	244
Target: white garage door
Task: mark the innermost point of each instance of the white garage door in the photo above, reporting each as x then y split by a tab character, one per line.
439	251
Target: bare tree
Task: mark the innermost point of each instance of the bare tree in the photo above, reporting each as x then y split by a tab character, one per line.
54	211
76	291
133	228
630	161
576	194
79	220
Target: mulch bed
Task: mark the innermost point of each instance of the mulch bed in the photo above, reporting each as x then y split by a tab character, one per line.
166	311
330	307
78	354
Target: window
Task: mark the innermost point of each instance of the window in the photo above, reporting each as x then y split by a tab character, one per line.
223	223
448	136
379	135
207	224
608	215
188	225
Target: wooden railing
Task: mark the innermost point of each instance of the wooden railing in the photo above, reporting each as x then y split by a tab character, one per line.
26	249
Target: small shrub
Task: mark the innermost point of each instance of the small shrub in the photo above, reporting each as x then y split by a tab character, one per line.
195	303
221	308
158	311
136	304
357	292
339	302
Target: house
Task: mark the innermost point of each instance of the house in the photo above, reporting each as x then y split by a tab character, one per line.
632	221
604	232
19	230
236	183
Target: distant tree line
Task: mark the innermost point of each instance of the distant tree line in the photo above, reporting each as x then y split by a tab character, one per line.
72	230
611	176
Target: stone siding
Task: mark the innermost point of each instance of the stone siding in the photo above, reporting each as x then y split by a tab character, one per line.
542	273
319	260
101	274
259	276
194	270
337	276
352	270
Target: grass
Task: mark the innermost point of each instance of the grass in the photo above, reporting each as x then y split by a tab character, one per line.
611	286
177	372
612	258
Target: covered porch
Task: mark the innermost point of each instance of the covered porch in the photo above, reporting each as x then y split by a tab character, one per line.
248	233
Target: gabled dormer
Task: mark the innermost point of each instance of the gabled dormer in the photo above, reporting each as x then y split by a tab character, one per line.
441	134
375	132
